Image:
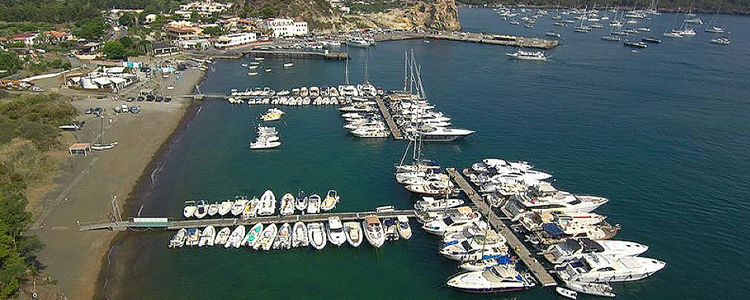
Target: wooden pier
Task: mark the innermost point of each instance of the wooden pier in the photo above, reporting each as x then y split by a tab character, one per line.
519	248
168	224
395	131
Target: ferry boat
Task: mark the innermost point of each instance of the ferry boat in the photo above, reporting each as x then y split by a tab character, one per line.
526	55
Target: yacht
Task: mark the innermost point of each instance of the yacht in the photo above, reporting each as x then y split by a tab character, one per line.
553	34
370	133
543	197
264	143
335	231
595	267
441	134
353	232
430	203
373	231
634	44
596	289
332	198
316	235
611	38
463	215
313	204
404	230
253	235
265	241
287	205
189	210
496	279
527	55
299	235
651	39
575	248
479	247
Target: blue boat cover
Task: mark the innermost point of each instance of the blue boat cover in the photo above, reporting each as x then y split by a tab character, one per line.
553	230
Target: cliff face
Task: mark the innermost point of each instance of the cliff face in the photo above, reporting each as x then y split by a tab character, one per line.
438	15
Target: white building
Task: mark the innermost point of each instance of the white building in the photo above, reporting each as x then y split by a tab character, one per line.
203	8
235	39
284	27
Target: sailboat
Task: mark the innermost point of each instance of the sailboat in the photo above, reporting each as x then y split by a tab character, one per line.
711	26
99	146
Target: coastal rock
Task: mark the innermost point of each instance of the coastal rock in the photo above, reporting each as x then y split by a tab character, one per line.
437	15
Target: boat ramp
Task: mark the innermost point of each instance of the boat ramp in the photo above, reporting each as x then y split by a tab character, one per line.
520	249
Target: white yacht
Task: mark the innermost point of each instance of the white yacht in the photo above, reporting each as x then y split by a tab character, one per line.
575	248
316	235
441	134
213	209
374	231
264	143
299	235
479	247
353	232
594	267
543	197
464	215
335	231
430	203
497	279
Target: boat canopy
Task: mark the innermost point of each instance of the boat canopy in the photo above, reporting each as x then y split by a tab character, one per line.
590	245
553	230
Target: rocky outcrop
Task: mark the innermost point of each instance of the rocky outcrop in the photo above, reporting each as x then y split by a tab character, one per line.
437	15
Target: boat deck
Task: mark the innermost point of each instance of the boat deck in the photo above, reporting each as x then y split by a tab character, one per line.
519	248
395	131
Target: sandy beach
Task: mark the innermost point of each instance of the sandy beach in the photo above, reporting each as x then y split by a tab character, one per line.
84	188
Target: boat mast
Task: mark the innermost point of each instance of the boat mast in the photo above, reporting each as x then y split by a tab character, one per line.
346	68
406	62
101	128
367	58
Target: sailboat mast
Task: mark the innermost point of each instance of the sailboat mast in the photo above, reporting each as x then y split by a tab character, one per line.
346	68
101	128
367	58
406	62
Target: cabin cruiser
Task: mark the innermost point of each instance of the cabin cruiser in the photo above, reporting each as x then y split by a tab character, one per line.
265	241
440	134
430	203
353	232
299	235
335	231
313	204
543	197
316	235
479	247
595	267
463	215
496	279
575	248
253	235
373	231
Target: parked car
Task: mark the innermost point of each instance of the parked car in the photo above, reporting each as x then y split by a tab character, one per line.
89	111
37	89
141	98
135	109
150	98
129	99
167	99
159	99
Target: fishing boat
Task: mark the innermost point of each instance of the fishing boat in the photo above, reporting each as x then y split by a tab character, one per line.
299	235
335	231
316	235
497	279
287	205
189	210
283	238
353	232
253	235
208	235
313	204
596	289
570	294
213	209
301	203
178	240
404	230
332	198
266	238
201	210
235	239
222	236
527	55
239	206
374	232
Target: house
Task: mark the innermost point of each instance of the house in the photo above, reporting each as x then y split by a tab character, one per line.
28	39
235	39
181	30
111	79
150	18
54	37
283	27
161	49
89	48
202	8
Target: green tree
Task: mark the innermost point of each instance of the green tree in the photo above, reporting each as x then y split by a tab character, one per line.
126	19
213	30
114	50
9	62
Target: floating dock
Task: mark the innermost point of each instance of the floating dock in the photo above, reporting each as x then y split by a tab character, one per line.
388	119
519	248
471	37
168	224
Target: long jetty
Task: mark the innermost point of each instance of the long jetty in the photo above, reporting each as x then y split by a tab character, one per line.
526	256
298	54
395	131
472	37
168	224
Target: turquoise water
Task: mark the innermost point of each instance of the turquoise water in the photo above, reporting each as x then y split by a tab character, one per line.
663	133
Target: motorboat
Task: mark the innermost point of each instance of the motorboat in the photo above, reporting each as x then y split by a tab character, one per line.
404	230
391	229
287	205
267	204
721	41
213	209
335	231
332	198
463	215
440	134
575	248
313	204
178	240
189	210
253	235
301	203
496	279
235	239
570	294
353	232
527	55
103	146
543	197
273	114
266	238
596	289
207	236
430	203
299	235
193	237
283	238
222	236
374	232
553	34
488	245
251	209
651	39
201	210
611	38
634	44
597	268
485	264
239	205
264	143
316	235
288	65
225	207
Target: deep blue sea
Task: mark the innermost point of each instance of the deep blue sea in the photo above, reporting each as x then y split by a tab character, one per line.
663	133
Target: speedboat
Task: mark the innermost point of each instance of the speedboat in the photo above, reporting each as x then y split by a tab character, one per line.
570	294
235	239
287	205
283	238
596	289
222	236
213	209
595	267
353	233
332	198
373	231
404	230
721	41
267	204
192	237
264	143
299	235
239	206
464	215
178	240
225	207
189	210
316	235
208	235
478	247
266	238
391	229
575	248
201	209
335	231
251	209
253	235
313	204
301	203
497	279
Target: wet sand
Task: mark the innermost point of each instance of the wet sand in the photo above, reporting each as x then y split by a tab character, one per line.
86	185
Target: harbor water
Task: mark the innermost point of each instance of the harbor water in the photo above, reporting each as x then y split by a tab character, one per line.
663	133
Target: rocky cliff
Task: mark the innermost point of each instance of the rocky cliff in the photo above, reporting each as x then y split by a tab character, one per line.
437	14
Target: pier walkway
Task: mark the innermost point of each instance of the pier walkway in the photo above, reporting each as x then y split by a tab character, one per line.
471	37
389	119
526	256
167	224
